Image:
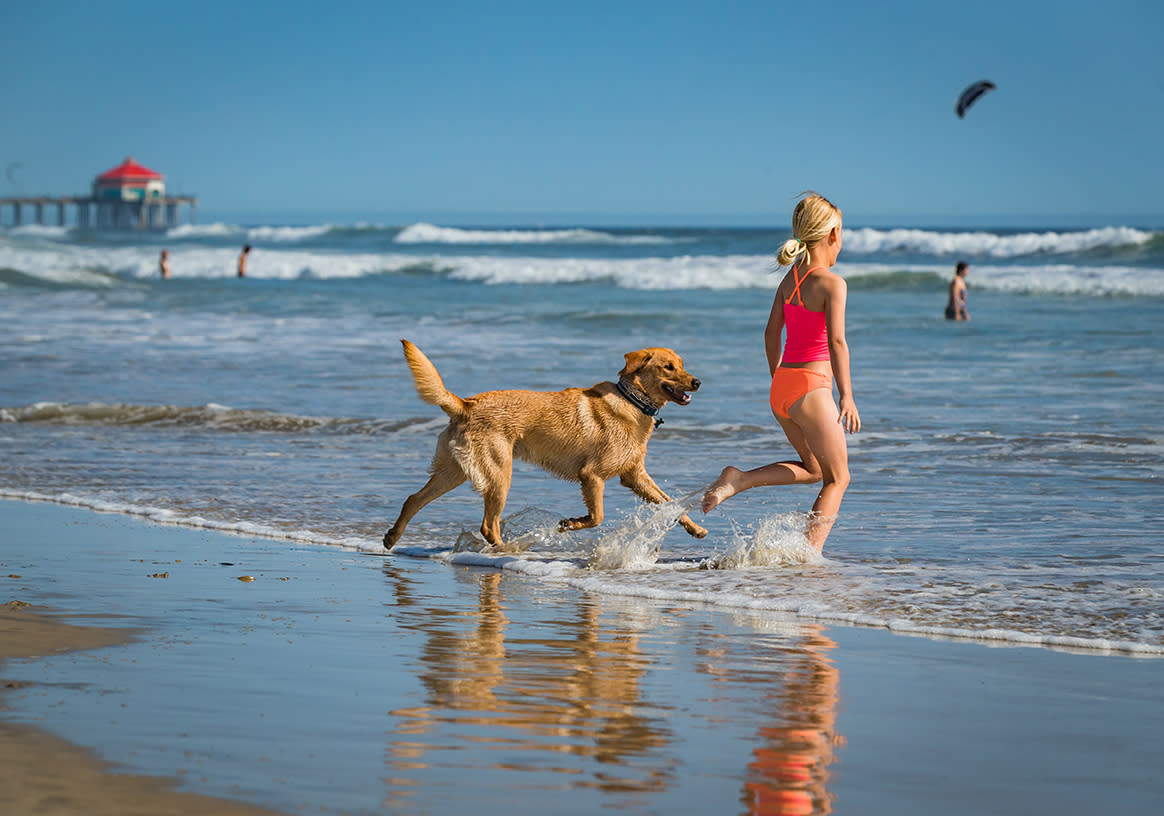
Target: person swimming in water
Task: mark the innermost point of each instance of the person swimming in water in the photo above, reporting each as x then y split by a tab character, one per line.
956	305
810	308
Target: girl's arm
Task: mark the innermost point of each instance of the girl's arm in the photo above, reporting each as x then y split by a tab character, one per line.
773	339
837	293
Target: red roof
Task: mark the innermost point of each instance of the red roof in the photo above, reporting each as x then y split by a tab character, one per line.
128	169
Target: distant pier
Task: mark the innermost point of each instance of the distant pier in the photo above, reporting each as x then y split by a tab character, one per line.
158	212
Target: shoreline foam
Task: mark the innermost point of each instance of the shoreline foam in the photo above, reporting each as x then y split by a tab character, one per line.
573	572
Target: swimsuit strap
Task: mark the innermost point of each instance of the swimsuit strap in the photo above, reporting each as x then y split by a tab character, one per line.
796	289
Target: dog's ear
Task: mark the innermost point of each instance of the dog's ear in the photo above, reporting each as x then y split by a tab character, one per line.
635	361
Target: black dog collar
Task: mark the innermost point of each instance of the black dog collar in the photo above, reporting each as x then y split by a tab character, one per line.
639	400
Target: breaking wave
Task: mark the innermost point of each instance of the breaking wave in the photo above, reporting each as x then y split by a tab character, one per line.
430	234
992	245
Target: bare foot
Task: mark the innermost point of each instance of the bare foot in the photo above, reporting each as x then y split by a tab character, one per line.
726	486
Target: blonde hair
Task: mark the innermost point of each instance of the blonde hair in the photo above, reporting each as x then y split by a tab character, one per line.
812	220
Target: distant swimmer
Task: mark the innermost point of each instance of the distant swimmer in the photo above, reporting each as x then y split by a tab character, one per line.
956	305
242	261
809	307
164	264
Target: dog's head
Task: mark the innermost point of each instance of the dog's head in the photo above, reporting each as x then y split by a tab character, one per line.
659	374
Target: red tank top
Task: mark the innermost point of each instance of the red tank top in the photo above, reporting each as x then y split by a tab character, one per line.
807	335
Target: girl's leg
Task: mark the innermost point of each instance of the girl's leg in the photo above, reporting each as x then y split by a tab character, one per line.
733	480
817	417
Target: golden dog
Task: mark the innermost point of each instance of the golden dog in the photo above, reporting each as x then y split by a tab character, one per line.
583	435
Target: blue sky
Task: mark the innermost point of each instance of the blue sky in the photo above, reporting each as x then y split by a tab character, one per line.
608	112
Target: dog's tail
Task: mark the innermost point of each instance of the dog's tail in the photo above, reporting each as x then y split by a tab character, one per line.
429	384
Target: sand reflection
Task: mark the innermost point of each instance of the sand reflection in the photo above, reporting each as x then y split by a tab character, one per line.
565	702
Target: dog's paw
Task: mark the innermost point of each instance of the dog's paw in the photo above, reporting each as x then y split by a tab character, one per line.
389	540
693	528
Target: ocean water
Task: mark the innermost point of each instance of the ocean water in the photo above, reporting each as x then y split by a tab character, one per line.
1006	486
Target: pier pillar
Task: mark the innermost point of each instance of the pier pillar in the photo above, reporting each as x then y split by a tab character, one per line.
157	213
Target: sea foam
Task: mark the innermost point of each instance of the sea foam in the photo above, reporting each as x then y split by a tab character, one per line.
431	234
989	244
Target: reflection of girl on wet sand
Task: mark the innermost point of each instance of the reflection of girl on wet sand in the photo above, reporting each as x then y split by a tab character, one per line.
788	775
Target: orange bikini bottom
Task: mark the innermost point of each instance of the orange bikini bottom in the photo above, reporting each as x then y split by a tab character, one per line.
790	384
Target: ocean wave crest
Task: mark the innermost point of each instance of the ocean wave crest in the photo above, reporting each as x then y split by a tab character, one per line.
289	234
758	272
216	230
992	245
39	231
109	267
423	233
210	416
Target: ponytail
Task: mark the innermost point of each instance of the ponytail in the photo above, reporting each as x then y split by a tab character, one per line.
790	250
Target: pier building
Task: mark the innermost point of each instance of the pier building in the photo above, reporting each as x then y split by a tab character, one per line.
128	196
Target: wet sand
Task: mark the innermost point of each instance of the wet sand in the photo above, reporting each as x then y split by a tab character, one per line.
334	681
44	774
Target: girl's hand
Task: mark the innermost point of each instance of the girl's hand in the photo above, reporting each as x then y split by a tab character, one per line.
849	417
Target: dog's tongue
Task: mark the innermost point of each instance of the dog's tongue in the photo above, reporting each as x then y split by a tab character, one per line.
681	397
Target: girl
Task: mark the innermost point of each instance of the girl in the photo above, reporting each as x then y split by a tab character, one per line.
810	307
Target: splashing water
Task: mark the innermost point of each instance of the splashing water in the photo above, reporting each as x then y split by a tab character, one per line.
778	540
634	543
532	527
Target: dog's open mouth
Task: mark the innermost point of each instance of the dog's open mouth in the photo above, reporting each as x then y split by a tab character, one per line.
678	395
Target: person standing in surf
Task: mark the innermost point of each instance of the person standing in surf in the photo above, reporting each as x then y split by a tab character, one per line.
809	308
242	261
956	303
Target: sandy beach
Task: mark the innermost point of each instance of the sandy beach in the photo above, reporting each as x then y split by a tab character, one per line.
46	774
158	665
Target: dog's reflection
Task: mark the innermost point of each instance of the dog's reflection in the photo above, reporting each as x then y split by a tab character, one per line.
573	691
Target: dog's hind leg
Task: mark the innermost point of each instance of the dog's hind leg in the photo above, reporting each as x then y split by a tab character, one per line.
494	488
592	492
643	486
446	474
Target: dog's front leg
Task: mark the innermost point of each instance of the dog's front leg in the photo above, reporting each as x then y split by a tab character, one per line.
592	489
643	486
